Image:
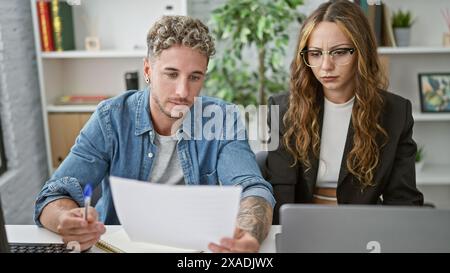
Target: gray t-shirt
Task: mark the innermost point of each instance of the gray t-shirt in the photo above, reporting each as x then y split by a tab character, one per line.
166	168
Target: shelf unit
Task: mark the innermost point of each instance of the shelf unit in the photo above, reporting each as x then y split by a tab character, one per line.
434	175
414	50
431	130
425	55
424	117
71	108
82	54
121	27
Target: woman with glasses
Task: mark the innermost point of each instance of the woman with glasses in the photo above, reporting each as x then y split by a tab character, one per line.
343	138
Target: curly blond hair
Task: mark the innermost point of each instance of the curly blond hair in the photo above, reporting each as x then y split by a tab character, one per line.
179	30
301	119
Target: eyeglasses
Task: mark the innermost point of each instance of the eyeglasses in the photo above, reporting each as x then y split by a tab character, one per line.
340	56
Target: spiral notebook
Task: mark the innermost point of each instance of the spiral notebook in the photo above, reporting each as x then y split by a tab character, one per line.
119	242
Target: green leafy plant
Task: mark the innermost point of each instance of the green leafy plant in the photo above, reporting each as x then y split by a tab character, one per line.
419	154
402	19
252	25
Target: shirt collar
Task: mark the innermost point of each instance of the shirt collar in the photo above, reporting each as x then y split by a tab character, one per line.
143	121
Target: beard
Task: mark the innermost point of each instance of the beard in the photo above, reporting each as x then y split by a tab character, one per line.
177	112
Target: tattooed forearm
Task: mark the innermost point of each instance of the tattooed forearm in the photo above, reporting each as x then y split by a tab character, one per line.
255	217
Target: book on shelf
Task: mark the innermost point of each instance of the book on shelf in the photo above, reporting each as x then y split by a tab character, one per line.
374	13
62	20
364	5
45	25
80	100
388	38
379	18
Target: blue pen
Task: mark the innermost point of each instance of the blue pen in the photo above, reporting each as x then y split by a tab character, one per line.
87	199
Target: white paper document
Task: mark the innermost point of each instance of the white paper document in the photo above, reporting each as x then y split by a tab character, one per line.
180	216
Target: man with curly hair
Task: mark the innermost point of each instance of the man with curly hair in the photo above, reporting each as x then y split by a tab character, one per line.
140	135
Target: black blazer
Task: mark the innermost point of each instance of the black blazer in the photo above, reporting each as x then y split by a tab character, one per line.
395	177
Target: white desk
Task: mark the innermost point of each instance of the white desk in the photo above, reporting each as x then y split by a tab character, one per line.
34	234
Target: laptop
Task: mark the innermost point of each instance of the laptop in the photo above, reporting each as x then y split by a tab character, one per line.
6	247
352	228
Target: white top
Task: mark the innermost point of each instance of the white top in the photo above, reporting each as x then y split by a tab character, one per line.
336	119
167	169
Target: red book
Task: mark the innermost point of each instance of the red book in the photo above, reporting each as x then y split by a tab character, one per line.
45	25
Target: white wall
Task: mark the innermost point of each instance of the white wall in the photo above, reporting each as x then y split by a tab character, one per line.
21	116
130	23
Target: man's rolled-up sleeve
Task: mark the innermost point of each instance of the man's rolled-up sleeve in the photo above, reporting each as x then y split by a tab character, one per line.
54	189
237	166
87	162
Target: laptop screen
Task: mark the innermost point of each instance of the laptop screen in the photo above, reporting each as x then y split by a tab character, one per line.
353	228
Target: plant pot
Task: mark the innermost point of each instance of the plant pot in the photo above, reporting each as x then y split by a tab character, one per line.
419	166
446	39
402	36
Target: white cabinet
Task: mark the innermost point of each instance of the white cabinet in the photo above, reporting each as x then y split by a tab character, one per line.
121	27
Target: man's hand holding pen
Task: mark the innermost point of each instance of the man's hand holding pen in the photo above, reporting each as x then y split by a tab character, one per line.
81	224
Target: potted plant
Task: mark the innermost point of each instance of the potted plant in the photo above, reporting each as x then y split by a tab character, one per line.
419	159
258	28
401	23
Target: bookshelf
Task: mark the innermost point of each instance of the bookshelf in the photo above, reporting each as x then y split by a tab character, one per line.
425	54
431	130
434	175
71	108
79	54
414	50
121	27
428	117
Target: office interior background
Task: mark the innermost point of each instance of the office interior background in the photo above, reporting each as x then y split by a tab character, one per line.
37	132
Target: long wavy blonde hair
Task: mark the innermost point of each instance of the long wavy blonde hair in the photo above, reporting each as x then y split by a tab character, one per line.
301	119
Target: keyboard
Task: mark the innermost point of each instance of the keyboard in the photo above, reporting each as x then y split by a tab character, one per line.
37	248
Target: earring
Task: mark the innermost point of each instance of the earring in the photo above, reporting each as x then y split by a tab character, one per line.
147	80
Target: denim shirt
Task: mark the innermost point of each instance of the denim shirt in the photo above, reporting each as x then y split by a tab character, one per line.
118	140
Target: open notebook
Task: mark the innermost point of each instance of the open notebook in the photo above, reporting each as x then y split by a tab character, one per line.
119	242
